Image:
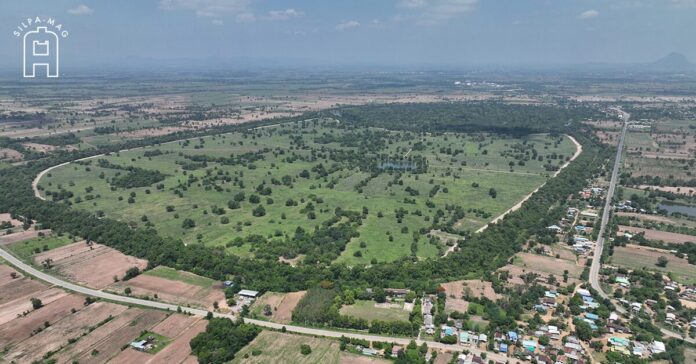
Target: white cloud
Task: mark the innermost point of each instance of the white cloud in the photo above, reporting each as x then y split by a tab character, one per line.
347	25
376	23
81	9
283	14
589	14
218	21
211	8
434	12
412	4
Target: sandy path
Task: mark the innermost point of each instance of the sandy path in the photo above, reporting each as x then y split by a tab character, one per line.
578	150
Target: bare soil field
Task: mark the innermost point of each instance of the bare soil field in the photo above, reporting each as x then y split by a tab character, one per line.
111	345
56	335
608	137
443	358
21	236
19	287
639	257
7	217
93	266
348	358
10	154
281	304
150	132
40	147
99	335
178	350
20	328
549	265
176	292
688	191
174	325
129	356
665	236
472	287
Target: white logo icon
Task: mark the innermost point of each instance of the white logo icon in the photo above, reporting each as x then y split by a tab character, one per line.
41	49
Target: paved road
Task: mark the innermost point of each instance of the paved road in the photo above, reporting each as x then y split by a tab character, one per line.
290	328
599	247
597	259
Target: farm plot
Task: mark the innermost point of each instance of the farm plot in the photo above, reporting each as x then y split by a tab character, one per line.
55	336
250	192
637	257
173	286
93	265
457	290
370	311
658	235
277	347
548	265
280	304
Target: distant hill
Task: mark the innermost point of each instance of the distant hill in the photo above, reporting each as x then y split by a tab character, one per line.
673	62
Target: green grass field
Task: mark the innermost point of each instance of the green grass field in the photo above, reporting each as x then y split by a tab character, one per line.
203	175
25	249
182	276
277	347
634	258
367	310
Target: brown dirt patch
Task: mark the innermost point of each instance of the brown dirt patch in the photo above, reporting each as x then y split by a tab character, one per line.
175	292
281	304
111	345
348	358
174	325
443	358
665	236
129	356
8	217
21	236
18	288
688	304
688	191
55	336
5	276
472	287
549	265
150	132
180	348
99	335
93	266
57	304
40	147
10	154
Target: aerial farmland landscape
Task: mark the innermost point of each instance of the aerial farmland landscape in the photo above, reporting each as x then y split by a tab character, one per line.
407	181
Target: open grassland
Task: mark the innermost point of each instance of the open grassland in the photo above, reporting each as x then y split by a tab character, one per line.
637	257
269	182
27	248
367	310
177	275
276	347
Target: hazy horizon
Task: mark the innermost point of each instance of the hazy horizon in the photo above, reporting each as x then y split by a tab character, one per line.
395	33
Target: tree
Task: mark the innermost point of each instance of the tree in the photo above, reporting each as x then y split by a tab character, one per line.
188	224
662	261
127	291
36	303
132	272
493	193
305	349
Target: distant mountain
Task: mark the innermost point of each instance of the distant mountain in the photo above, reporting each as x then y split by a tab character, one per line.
673	62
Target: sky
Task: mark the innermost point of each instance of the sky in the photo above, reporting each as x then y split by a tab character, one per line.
246	33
